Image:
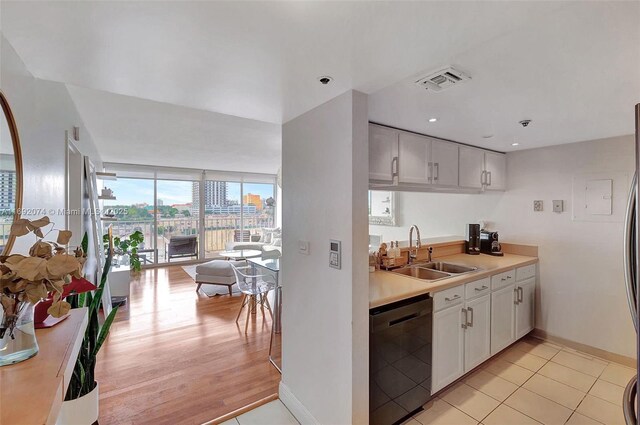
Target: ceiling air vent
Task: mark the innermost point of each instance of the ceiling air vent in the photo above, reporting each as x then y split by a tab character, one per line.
443	79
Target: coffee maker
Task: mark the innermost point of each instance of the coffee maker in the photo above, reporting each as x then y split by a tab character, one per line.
489	243
472	244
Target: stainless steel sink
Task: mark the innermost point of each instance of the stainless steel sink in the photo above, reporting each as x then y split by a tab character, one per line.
422	273
447	267
434	270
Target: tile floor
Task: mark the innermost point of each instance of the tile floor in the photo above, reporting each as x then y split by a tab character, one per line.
533	382
272	413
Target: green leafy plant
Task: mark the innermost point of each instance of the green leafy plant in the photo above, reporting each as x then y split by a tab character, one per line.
83	380
127	245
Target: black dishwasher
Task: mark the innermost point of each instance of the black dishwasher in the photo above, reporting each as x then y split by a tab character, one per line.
399	359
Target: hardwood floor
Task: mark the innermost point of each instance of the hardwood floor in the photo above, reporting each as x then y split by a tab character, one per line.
179	357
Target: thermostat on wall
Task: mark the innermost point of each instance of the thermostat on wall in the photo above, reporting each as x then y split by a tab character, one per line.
335	254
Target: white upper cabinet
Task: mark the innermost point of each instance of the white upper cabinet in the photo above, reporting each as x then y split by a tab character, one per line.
471	167
414	164
444	157
400	159
480	169
495	165
383	154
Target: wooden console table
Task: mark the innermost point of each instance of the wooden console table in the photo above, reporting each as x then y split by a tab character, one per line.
31	392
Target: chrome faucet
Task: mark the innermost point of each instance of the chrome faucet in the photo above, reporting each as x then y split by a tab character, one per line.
413	255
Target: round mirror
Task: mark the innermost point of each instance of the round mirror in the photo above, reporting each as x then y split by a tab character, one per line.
10	175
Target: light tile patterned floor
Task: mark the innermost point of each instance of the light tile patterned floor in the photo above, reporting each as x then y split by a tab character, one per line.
272	413
534	382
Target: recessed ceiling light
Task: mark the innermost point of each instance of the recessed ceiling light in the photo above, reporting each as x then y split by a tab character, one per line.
325	79
515	144
433	119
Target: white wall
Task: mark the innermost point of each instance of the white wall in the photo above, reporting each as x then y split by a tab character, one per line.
43	111
581	295
325	323
437	214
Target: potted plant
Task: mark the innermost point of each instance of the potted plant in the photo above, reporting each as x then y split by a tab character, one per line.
48	273
127	247
80	405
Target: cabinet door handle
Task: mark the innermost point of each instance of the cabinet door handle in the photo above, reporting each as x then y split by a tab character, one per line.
489	175
508	277
470	322
430	170
482	288
503	279
520	294
437	169
394	167
455	297
464	321
482	180
515	293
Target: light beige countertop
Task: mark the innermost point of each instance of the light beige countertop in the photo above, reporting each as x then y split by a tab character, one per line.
386	287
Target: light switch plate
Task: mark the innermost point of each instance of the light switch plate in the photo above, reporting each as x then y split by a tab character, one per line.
558	206
537	206
303	247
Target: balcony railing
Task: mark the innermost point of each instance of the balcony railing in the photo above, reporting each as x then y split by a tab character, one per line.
218	230
5	230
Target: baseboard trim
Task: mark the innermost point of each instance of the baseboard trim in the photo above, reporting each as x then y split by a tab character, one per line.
596	352
242	410
297	409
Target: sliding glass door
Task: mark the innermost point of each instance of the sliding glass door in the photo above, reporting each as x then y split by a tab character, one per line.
236	212
222	215
189	214
132	208
258	200
178	226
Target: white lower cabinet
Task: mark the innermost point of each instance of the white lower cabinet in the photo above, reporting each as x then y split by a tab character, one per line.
461	336
525	302
502	318
470	324
477	334
448	347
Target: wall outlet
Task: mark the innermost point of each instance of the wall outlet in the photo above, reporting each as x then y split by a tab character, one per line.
537	206
558	206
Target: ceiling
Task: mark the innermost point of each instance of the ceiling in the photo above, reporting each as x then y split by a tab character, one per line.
575	74
138	131
570	66
257	60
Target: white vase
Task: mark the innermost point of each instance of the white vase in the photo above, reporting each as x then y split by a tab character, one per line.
81	411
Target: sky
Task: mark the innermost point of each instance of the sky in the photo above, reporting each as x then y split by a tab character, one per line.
136	191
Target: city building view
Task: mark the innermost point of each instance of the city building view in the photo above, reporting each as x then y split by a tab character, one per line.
233	212
7	196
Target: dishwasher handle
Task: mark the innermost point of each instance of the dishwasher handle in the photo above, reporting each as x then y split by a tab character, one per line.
403	319
398	313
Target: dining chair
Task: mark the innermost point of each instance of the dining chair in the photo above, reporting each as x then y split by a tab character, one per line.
254	288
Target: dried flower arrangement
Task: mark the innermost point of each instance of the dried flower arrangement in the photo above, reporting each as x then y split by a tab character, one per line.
48	272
